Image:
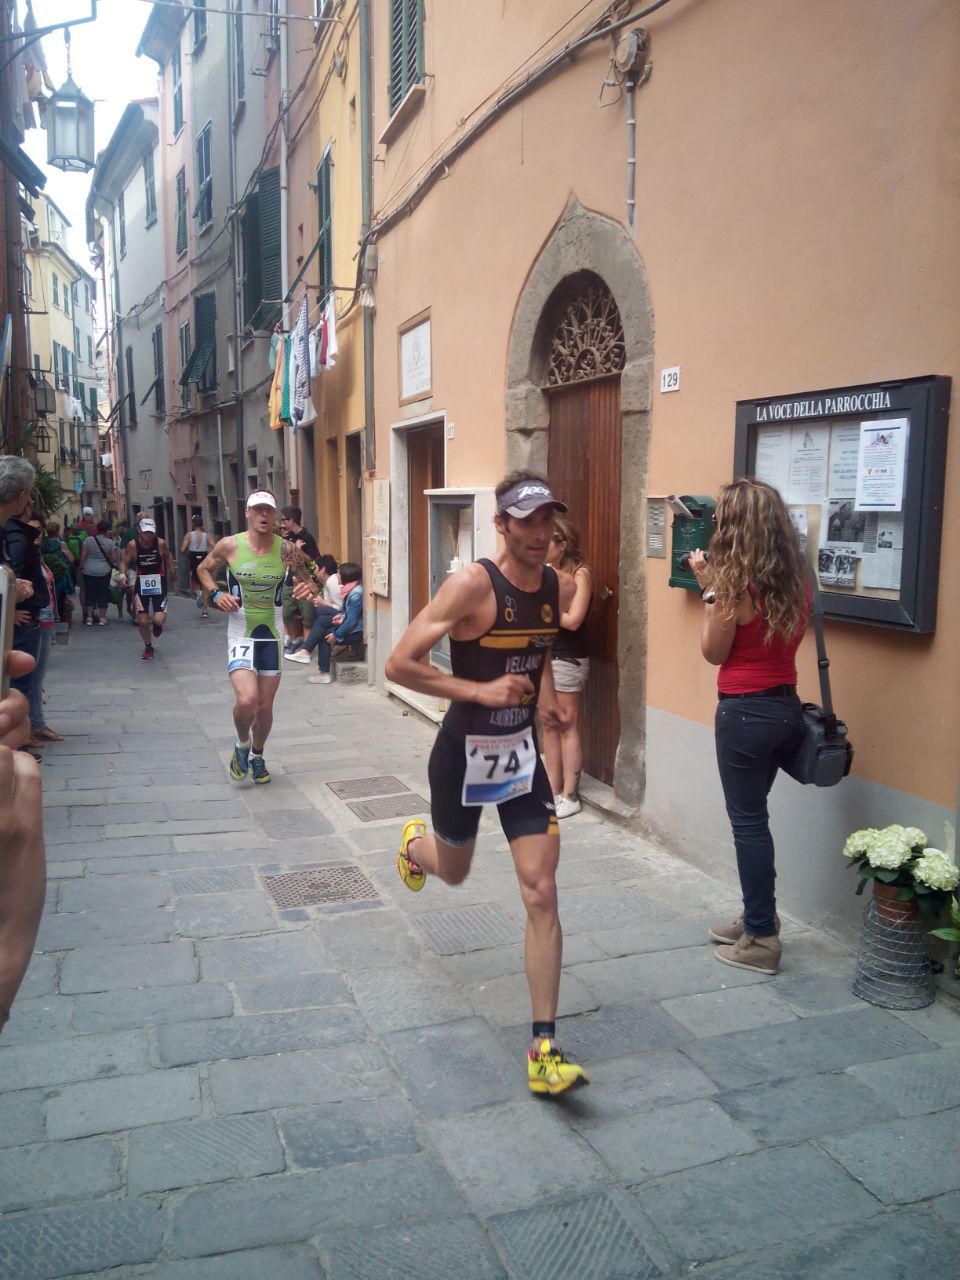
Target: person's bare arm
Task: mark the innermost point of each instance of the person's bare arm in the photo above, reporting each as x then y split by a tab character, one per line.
68	554
572	614
218	558
185	543
719	622
457	600
548	704
168	558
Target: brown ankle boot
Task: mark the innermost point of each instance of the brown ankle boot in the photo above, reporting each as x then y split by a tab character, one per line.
734	930
760	954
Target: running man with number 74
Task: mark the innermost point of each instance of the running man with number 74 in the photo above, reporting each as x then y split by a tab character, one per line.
501	616
255	573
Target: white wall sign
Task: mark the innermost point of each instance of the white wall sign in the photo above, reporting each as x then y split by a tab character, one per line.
670	379
415	372
380	539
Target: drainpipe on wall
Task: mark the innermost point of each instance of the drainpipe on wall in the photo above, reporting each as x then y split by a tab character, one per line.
293	478
237	313
366	213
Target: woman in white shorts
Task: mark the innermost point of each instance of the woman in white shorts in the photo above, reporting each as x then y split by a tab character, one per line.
571	666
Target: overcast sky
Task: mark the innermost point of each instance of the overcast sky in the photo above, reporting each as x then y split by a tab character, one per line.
106	68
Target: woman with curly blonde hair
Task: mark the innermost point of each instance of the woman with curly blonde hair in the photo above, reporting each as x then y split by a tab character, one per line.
752	627
563	749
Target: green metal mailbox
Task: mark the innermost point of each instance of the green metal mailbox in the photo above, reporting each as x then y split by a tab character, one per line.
689	534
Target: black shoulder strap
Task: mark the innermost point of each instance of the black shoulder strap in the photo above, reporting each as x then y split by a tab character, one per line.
823	662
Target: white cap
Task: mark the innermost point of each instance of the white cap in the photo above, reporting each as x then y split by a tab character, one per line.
148	526
261	499
88	511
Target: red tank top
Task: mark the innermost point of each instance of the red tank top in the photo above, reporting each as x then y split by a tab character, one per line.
754	664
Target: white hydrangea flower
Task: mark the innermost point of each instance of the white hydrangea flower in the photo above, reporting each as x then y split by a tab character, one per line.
860	842
936	870
889	850
914	837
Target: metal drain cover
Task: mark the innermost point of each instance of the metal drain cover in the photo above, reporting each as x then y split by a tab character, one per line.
319	885
357	788
404	806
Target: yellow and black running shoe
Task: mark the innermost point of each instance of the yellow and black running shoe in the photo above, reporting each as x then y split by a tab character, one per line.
239	764
411	873
548	1071
258	769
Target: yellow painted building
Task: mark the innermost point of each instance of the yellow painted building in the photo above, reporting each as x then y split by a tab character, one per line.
325	225
61	300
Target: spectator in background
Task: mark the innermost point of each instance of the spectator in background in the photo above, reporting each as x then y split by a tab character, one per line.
40	731
59	560
86	522
298	615
98	557
325	608
347	627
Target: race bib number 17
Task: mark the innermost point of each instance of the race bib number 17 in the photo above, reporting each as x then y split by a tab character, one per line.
499	767
240	656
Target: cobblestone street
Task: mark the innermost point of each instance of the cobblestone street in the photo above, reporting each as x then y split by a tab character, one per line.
208	1075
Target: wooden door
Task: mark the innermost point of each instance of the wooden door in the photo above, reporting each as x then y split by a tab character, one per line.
425	461
584	472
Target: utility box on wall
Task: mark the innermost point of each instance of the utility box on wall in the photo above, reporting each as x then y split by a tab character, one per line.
689	534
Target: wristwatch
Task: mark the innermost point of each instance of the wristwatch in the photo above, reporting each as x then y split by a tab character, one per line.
213	598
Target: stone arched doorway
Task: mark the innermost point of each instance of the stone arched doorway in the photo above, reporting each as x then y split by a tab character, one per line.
586	250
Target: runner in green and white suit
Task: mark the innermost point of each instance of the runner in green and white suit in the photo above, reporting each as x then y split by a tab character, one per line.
255	573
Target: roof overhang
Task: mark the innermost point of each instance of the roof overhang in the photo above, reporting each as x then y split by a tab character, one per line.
16	160
163	27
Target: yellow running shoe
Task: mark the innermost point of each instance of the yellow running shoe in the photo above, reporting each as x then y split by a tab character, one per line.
549	1072
411	873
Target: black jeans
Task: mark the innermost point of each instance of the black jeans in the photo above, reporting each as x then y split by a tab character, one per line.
753	736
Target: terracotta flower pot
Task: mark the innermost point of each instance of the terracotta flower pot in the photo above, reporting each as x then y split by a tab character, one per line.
888	909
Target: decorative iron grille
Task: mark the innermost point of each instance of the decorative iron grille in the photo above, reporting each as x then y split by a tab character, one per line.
588	340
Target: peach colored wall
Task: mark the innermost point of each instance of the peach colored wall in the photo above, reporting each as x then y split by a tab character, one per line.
798	195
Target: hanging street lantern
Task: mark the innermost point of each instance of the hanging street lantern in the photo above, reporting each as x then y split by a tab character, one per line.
70	125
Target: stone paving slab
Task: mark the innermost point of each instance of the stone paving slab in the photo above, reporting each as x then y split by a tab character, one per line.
151	1006
58	1172
32	1021
109	1106
120	893
298	1263
60	1062
21	1118
489	1153
211	915
166	1156
346	1072
349	1132
589	1238
122	968
456	1067
807	1107
765	1198
106	928
231	959
249	1036
916	1085
58	1242
434	1250
903	1160
293	1207
907	1245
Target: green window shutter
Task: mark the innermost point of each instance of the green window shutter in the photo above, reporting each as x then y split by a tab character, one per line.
406	48
250	245
159	393
325	223
271	279
202	365
181	211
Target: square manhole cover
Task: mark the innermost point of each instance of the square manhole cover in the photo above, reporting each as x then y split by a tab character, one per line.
452	933
404	806
358	788
318	885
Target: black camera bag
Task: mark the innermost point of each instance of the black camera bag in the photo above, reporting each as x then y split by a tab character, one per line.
825	755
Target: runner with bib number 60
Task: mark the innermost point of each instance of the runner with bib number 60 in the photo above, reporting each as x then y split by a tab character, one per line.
501	616
255	573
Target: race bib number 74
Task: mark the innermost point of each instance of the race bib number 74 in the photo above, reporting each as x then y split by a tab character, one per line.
499	766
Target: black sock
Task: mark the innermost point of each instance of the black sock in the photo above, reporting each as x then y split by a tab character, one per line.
544	1030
